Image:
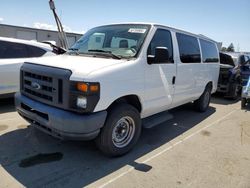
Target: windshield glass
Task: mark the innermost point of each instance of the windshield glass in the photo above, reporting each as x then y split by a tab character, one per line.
120	41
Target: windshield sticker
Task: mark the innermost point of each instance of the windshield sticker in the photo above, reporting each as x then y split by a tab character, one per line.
135	30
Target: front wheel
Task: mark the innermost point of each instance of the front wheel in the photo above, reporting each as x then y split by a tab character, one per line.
121	130
201	104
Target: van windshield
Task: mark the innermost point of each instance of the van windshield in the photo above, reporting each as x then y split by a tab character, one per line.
115	41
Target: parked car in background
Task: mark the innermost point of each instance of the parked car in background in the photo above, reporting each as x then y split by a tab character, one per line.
229	82
13	52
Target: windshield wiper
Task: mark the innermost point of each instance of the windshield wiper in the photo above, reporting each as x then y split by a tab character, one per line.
73	51
105	52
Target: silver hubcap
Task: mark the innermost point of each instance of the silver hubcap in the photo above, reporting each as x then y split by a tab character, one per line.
123	132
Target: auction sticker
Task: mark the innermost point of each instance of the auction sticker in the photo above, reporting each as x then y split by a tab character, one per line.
136	30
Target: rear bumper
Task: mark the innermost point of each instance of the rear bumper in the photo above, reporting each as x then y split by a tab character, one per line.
60	123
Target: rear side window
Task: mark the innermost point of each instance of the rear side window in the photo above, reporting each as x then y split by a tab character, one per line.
12	50
35	51
189	48
162	38
209	52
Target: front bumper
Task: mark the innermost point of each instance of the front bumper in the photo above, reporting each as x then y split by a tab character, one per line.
60	123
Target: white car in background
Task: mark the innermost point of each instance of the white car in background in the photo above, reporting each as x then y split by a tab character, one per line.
13	52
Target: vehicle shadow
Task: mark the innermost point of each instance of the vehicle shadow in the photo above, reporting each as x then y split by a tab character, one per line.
7	105
37	160
218	98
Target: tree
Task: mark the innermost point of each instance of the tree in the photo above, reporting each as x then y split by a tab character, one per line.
224	49
230	48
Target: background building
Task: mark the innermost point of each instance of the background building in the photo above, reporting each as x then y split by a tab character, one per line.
35	34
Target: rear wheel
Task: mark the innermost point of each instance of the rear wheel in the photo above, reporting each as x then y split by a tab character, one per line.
201	104
121	130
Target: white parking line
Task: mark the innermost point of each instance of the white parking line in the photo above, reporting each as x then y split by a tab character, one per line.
167	149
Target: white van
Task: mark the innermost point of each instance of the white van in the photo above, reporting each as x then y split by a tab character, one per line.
116	79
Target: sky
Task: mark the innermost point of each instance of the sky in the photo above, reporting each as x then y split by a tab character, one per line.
226	21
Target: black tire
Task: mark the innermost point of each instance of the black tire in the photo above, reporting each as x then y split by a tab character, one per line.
235	91
121	113
202	104
243	103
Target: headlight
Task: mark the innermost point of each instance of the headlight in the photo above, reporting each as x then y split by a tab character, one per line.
84	96
81	102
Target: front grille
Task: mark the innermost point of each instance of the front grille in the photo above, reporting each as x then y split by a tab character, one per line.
46	84
44	88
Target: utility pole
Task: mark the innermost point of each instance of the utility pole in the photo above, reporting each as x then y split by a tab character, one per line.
61	33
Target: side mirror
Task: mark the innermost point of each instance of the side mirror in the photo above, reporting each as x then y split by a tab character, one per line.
161	56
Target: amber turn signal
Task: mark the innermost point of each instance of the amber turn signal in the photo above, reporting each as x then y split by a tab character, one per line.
82	87
94	88
87	87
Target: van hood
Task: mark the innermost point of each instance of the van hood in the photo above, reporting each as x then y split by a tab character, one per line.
79	65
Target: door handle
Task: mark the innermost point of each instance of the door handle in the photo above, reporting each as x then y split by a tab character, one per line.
173	80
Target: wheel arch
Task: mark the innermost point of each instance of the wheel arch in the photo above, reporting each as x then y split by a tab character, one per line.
210	85
133	100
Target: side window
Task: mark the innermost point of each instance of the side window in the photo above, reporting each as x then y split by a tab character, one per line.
209	52
10	50
162	38
189	48
3	49
35	51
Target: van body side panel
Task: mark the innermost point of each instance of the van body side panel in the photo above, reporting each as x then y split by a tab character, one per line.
119	81
159	90
184	84
213	74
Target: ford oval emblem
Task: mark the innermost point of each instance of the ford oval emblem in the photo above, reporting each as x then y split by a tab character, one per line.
35	85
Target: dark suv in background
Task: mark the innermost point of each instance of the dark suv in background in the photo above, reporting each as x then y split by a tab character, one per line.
229	82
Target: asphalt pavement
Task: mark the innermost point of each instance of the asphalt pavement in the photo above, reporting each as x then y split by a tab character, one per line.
210	149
